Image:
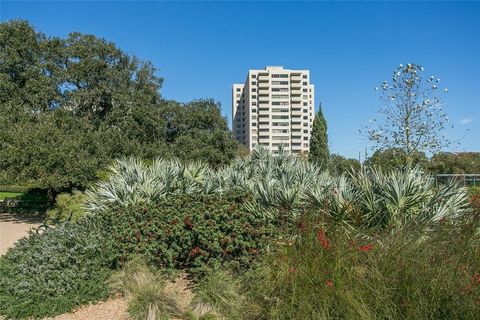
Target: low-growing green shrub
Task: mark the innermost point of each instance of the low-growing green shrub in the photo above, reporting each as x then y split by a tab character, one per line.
330	274
67	204
51	273
189	231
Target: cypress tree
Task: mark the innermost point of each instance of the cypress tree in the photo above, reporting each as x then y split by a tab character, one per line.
319	141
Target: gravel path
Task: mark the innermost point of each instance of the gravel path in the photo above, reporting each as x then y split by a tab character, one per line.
113	309
14	227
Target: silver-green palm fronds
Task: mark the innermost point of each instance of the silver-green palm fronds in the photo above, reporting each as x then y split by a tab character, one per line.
285	183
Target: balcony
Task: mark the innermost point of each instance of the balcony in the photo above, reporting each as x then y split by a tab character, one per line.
263	85
264	92
296	85
296	99
296	92
295	78
263	77
264	126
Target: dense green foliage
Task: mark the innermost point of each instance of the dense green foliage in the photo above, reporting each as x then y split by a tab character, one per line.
339	164
56	271
406	275
68	107
68	206
319	140
443	162
462	162
189	231
395	158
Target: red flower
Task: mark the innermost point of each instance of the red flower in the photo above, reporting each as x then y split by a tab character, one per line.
323	239
195	251
366	247
329	283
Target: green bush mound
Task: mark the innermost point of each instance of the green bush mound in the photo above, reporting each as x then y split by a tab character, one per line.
190	231
51	273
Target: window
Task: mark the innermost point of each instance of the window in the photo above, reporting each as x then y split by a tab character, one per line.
305	90
280	138
238	101
238	89
305	138
305	104
304	76
305	110
280	82
254	103
305	96
280	124
305	131
279	89
254	110
254	124
279	110
279	130
305	124
305	117
254	97
280	116
305	83
280	144
238	95
279	75
280	103
305	145
254	76
254	89
254	83
264	137
254	117
280	96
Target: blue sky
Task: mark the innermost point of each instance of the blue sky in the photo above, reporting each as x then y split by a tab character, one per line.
202	48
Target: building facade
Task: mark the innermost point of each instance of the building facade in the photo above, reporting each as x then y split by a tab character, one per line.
274	107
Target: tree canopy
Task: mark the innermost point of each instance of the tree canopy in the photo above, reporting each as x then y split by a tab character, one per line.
69	106
412	115
319	152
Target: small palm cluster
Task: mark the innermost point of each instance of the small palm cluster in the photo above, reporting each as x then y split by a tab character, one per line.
287	185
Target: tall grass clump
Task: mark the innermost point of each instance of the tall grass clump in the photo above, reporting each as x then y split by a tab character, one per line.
144	289
410	274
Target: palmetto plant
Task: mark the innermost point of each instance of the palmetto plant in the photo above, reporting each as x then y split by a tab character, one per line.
285	184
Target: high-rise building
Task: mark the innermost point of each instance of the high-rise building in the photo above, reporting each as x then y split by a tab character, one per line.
274	107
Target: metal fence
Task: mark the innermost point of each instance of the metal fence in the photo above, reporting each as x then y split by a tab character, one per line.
468	179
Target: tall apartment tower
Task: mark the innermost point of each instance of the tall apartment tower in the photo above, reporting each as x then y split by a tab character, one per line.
274	106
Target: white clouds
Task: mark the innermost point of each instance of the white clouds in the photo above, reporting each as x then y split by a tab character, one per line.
465	121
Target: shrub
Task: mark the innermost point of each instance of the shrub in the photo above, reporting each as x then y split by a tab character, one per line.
189	231
409	275
66	204
51	273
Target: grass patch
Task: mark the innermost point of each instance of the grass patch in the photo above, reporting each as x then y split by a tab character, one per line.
10	195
